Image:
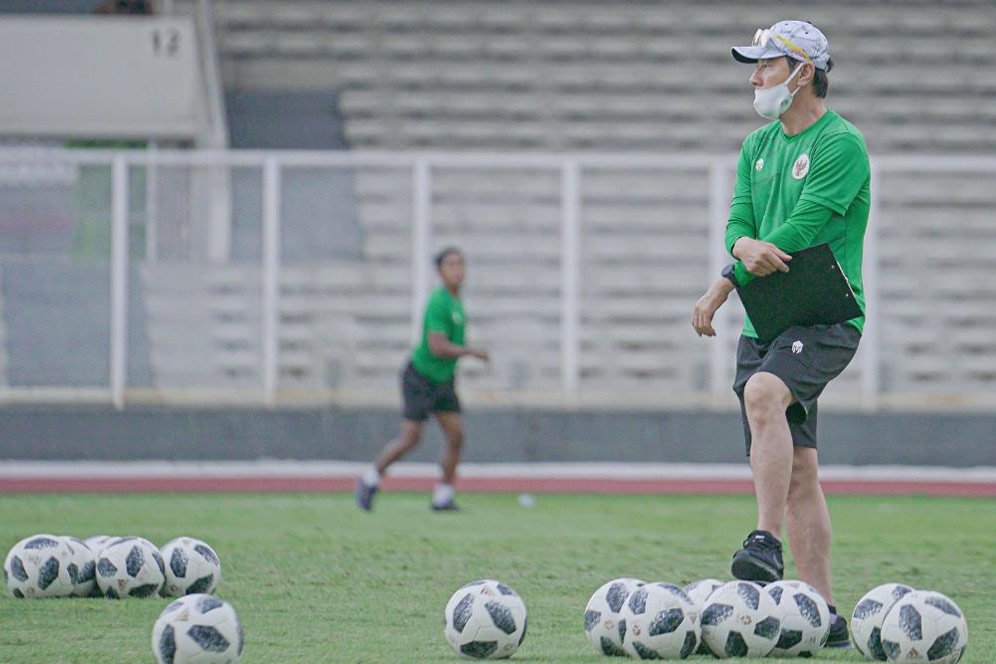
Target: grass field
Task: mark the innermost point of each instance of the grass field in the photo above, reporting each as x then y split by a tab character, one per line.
315	580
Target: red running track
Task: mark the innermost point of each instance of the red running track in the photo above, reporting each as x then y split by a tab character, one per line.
275	483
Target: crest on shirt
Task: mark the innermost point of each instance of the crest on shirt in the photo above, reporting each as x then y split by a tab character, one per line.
801	166
759	164
457	318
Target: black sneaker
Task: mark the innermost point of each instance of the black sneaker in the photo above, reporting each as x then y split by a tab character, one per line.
838	633
760	560
448	506
364	494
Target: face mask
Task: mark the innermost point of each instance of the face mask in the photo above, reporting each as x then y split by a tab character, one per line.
771	102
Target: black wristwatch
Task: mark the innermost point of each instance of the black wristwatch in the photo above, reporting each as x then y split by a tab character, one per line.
731	275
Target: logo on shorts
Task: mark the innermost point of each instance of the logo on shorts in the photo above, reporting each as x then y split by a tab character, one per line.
759	164
796	347
801	166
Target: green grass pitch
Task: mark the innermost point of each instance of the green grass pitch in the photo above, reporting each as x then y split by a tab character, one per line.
315	580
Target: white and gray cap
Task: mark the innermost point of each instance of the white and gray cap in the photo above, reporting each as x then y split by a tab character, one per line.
800	40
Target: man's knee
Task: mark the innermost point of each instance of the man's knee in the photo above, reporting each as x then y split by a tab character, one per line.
805	472
766	394
455	438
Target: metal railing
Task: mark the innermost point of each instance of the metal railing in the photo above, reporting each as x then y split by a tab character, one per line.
573	170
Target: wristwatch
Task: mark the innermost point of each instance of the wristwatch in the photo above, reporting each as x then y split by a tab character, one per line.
731	275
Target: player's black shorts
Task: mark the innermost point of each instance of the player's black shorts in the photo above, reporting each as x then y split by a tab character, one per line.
422	396
806	359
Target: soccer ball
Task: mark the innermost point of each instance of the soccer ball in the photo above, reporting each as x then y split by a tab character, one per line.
191	567
37	566
741	620
81	567
130	567
699	592
870	611
662	622
197	629
805	622
924	626
98	542
601	615
485	620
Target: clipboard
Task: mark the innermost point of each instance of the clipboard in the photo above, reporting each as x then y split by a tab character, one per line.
813	292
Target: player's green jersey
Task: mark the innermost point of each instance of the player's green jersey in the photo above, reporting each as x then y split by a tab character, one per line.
803	190
444	314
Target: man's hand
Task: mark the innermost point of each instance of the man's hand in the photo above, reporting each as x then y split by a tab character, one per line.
708	305
480	354
759	257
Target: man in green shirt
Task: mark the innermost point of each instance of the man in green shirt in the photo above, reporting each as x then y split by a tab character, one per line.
802	180
428	385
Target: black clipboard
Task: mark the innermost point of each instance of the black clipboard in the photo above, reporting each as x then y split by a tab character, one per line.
813	292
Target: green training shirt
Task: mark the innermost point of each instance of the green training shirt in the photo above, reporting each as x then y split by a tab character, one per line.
444	314
800	191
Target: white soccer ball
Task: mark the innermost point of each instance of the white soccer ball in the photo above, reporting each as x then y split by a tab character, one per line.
924	626
130	567
485	620
81	567
662	622
192	567
38	566
602	614
197	629
699	592
98	542
741	620
869	612
806	619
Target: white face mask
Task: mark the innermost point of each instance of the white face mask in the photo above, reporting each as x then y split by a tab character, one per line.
771	102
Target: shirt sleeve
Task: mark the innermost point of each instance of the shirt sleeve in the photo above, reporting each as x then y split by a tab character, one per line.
798	232
839	169
437	317
741	222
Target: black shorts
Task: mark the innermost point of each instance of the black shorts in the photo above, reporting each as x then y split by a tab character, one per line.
806	359
422	396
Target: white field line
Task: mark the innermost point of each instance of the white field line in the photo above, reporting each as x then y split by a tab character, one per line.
332	469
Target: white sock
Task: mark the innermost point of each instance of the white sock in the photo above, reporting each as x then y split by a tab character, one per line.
371	477
442	494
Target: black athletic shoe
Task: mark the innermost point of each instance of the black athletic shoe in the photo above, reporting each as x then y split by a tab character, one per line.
364	495
838	633
449	506
760	560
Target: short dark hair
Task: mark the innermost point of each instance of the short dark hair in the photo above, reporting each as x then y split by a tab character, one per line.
820	81
446	251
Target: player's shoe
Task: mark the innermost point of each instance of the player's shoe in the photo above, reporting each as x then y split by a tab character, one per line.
760	560
448	506
364	494
838	633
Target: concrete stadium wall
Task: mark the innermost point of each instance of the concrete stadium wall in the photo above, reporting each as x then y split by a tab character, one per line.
31	433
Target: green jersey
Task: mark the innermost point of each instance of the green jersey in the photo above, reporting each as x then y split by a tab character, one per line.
443	314
800	191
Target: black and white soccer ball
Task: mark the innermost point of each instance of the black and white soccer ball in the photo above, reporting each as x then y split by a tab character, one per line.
81	567
485	620
741	620
38	566
98	542
700	591
806	620
662	622
924	626
602	615
869	612
130	567
192	567
197	629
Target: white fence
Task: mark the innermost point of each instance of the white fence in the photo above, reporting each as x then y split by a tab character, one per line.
306	282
